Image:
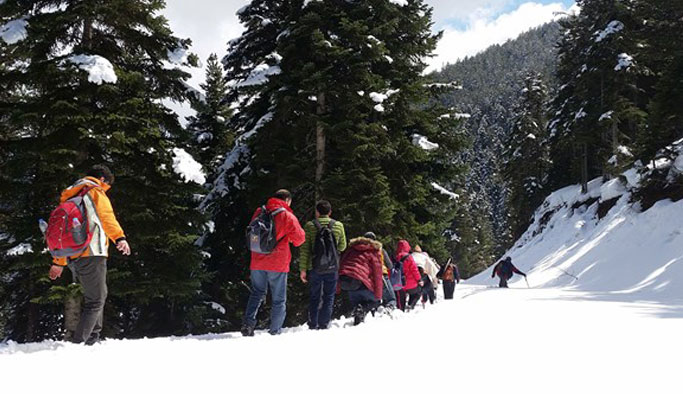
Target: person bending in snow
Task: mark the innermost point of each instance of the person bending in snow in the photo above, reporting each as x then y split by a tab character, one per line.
505	269
360	275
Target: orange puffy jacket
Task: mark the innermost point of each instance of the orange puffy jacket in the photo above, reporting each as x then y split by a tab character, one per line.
101	218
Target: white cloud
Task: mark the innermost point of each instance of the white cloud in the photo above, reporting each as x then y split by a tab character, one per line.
465	10
482	33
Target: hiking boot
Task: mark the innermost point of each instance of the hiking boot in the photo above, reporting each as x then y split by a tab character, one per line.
93	339
247	331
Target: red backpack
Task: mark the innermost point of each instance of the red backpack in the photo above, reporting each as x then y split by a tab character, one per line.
68	232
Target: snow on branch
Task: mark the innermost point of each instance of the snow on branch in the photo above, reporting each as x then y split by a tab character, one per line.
612	27
14	31
449	85
625	61
20	249
445	191
379	98
99	69
187	167
424	143
261	73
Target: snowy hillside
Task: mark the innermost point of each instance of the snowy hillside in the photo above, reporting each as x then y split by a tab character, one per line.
626	255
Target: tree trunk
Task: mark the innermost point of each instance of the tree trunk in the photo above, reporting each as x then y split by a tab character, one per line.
86	40
319	147
32	316
584	168
72	314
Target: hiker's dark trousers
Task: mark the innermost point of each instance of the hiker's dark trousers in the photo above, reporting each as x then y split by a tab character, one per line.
448	289
91	273
503	281
323	287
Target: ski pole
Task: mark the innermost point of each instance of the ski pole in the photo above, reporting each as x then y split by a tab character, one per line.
527	283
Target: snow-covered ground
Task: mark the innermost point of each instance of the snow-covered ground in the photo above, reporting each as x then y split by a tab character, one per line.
604	314
486	340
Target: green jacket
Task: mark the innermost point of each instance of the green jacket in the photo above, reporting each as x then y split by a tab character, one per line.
306	256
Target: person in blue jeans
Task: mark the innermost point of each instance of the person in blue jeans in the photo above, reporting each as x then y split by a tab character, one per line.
269	270
321	277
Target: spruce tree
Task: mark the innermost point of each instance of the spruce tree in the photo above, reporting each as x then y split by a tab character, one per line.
85	83
211	135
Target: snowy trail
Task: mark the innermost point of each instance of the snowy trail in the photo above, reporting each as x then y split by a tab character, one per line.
487	339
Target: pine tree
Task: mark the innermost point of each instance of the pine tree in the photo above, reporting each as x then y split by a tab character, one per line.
211	135
526	156
85	84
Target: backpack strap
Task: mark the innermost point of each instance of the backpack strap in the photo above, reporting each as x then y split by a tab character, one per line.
85	190
317	224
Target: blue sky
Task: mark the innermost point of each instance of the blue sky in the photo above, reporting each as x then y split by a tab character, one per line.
493	10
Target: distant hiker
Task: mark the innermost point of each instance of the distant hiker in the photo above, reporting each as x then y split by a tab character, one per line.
360	275
449	275
319	263
273	227
388	295
412	275
427	287
422	259
505	269
89	265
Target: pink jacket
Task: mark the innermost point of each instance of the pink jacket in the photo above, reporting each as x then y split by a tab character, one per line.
409	268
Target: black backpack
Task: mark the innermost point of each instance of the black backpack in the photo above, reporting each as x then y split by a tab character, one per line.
261	232
325	254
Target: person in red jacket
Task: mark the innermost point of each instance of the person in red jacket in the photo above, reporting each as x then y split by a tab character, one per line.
360	274
412	275
270	270
504	269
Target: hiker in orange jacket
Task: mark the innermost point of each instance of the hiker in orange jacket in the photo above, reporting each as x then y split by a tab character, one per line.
90	267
